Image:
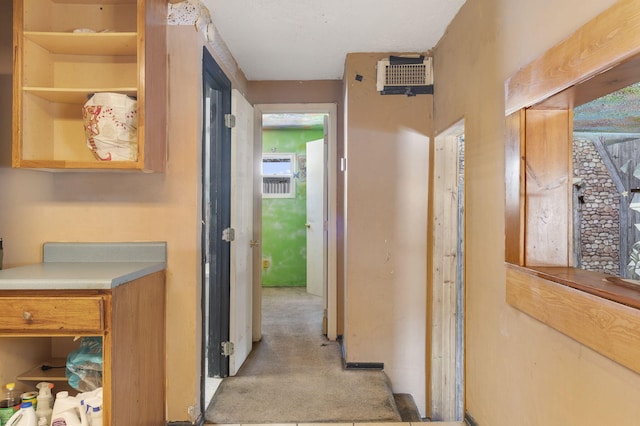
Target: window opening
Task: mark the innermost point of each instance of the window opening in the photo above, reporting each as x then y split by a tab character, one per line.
606	178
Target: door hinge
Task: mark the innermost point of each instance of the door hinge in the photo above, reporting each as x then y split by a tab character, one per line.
230	121
227	348
228	234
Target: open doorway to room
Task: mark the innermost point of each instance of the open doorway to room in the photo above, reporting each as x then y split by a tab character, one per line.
297	215
295	349
293	251
216	216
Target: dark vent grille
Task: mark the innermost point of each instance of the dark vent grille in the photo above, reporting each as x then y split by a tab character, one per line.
276	185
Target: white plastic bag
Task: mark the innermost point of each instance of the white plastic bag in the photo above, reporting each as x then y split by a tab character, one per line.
111	126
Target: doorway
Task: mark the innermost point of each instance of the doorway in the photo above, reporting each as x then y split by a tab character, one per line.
266	117
448	265
216	216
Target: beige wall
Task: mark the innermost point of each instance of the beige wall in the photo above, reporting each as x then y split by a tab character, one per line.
387	151
519	371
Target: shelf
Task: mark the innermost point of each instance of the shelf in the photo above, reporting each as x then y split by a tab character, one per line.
95	1
36	374
56	70
53	165
108	43
74	96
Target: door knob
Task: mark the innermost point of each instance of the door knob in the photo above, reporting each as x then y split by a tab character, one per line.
307	225
254	243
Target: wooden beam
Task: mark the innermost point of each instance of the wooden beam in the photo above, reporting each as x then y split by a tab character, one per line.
548	188
445	279
609	39
514	188
611	329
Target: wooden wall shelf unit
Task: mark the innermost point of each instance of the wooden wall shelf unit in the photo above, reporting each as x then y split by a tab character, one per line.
57	68
130	320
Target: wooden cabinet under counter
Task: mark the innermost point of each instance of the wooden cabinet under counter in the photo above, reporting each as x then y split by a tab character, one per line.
130	320
52	313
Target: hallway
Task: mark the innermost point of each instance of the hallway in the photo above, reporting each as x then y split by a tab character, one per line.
294	374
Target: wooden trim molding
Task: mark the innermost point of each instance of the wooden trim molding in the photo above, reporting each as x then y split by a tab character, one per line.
607	40
610	328
598	310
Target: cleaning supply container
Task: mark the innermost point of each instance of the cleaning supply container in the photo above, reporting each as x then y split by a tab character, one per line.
9	404
43	406
30	397
95	416
26	416
67	411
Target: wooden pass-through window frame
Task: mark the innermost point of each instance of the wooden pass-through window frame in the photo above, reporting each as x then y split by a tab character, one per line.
598	310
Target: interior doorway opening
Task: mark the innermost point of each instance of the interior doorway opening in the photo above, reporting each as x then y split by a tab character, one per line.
282	222
294	201
251	323
215	214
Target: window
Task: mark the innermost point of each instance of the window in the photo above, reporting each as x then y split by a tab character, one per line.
606	174
600	310
278	175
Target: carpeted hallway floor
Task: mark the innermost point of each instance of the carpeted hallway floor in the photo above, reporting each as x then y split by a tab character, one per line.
295	375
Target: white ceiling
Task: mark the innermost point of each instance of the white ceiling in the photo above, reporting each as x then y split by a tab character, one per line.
309	39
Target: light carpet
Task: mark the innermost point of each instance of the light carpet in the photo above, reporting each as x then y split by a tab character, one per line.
295	375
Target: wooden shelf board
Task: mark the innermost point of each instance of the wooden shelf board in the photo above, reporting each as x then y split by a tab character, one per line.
36	374
74	96
79	165
111	43
95	1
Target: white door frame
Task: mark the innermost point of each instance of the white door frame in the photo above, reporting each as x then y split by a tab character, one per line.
332	177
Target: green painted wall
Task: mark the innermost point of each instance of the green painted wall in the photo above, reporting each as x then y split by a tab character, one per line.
284	236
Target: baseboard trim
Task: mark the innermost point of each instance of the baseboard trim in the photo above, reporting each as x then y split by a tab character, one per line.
469	421
364	365
198	422
358	365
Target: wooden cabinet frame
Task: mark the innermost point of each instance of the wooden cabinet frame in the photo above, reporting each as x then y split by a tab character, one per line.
55	70
597	310
130	320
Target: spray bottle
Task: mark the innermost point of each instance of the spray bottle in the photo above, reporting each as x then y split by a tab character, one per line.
43	406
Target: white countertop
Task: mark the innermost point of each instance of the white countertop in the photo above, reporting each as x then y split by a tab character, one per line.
86	266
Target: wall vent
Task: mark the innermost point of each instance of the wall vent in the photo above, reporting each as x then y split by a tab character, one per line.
400	75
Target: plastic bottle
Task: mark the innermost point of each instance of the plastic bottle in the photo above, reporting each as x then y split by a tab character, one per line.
95	416
43	407
92	404
67	411
26	416
9	404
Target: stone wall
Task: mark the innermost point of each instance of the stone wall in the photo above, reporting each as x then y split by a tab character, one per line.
596	211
